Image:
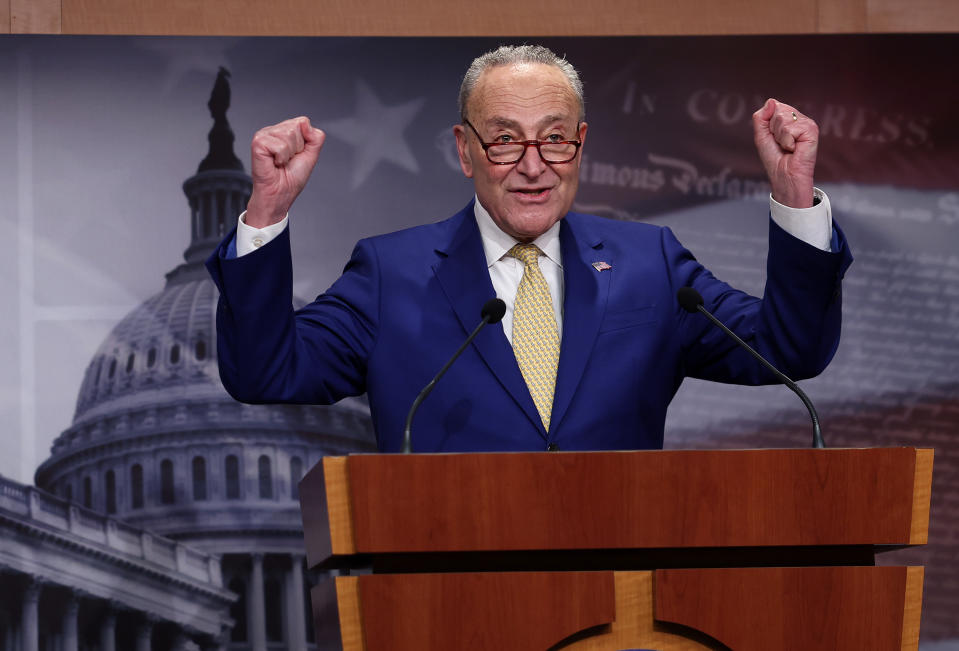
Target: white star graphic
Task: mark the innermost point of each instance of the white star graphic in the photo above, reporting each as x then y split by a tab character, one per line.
376	131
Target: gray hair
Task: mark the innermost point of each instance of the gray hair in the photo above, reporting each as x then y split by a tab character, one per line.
511	54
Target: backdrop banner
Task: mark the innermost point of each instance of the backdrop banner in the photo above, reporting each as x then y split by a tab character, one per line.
99	134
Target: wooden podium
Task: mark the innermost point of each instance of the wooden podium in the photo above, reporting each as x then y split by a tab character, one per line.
606	551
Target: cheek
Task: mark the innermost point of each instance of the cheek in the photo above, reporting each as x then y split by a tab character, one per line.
496	176
571	179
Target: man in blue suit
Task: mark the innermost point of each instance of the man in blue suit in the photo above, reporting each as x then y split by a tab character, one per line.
593	346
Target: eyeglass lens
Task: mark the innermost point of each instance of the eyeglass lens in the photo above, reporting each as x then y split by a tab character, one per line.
511	153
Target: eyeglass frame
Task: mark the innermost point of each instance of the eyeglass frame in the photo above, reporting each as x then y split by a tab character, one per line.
526	145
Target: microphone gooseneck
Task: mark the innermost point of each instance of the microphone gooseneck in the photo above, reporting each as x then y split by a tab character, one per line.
492	312
692	301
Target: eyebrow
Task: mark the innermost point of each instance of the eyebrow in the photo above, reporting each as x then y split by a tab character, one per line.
513	124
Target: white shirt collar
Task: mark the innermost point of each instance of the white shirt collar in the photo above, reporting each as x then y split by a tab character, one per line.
496	243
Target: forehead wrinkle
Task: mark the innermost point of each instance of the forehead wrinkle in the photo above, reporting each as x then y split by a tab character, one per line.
499	89
500	121
542	97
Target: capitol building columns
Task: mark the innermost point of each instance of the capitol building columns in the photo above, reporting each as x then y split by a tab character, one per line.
51	617
75	580
108	630
71	614
274	607
296	610
257	602
144	634
29	616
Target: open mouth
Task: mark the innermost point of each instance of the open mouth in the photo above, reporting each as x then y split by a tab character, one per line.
533	193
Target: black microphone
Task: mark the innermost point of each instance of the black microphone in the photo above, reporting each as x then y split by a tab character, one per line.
692	301
492	312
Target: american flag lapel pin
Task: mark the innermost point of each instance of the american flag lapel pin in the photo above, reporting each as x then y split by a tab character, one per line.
601	265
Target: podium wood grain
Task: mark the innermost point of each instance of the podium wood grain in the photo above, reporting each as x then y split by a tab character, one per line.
747	609
731	514
595	611
506	611
796	609
619	500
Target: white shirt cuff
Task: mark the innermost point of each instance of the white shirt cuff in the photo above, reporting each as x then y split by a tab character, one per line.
249	239
812	225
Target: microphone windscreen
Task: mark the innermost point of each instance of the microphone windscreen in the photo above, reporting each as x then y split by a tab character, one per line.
689	299
494	310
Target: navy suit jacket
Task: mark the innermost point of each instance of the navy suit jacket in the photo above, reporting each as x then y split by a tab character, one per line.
407	300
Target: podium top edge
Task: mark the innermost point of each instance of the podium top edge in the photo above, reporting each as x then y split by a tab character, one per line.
803	450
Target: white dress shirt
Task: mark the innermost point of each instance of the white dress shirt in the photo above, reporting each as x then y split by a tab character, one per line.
506	272
811	225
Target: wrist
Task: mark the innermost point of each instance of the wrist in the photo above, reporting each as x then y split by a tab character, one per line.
795	199
260	216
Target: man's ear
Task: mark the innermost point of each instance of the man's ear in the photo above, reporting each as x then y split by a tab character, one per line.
462	148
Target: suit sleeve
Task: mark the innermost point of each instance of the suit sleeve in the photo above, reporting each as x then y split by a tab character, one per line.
268	352
795	325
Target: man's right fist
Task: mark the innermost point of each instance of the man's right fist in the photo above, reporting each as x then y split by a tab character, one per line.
283	158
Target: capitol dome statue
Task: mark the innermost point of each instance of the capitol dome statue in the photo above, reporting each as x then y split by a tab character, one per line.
157	441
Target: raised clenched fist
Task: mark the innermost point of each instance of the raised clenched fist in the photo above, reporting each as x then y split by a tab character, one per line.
283	158
787	142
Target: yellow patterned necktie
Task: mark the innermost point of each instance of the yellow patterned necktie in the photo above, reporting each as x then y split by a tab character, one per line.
535	336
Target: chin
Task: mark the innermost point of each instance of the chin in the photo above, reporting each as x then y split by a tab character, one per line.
534	227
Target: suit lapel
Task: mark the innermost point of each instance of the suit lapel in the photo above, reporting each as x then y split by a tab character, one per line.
587	291
462	273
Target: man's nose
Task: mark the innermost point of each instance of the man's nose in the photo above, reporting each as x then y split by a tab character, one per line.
531	164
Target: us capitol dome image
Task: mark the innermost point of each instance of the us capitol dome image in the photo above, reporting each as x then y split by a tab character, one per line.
157	445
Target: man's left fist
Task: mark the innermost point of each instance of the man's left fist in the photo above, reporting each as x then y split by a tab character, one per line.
787	142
